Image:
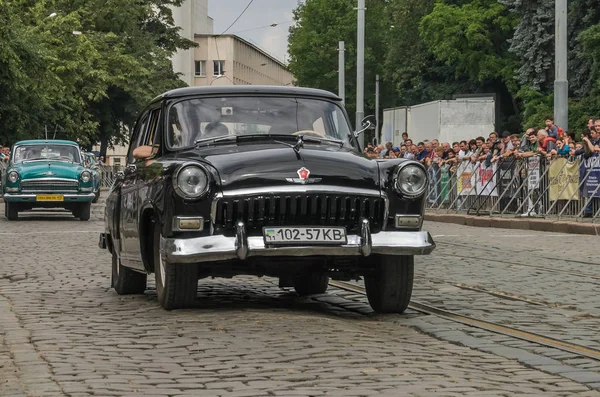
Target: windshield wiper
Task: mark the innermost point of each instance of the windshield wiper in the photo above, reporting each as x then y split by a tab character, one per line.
274	137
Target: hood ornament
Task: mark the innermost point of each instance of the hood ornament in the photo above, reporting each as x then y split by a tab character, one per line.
303	177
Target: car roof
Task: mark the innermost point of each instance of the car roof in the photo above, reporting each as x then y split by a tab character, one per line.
248	89
48	141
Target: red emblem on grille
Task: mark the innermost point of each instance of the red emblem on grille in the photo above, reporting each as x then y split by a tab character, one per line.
303	173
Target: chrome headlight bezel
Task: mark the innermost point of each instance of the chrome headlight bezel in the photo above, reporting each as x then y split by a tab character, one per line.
13	176
86	176
201	192
401	172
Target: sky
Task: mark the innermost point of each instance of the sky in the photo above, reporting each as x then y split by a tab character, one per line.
251	26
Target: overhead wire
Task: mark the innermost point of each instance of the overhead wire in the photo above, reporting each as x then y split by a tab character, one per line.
225	31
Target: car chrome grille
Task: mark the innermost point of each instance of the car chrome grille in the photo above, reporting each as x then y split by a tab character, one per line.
296	210
49	185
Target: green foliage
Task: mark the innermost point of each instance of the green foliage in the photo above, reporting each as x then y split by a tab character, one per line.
472	38
90	86
313	46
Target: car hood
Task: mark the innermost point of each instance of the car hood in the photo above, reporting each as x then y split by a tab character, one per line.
48	169
259	165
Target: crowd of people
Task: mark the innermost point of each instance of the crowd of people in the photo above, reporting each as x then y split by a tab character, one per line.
549	142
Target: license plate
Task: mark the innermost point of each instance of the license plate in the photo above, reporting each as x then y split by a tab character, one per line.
50	197
305	235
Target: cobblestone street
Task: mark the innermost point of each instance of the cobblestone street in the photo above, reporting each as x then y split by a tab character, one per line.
65	332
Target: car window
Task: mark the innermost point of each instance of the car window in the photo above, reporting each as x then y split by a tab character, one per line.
137	136
44	152
199	118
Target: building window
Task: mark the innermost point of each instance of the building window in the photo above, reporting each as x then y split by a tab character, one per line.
200	68
116	161
218	67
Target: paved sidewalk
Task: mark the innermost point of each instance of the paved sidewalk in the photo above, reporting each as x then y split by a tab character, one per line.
536	224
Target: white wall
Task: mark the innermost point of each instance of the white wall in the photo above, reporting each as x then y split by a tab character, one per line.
447	121
466	119
424	121
193	18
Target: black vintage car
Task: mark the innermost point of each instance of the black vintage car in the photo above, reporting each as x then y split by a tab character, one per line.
224	181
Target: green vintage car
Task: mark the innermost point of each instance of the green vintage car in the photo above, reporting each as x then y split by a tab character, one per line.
91	163
47	174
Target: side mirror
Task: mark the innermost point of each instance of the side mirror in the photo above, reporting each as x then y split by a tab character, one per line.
366	124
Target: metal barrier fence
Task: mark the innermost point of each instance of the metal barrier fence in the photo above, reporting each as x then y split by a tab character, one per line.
108	174
3	166
534	187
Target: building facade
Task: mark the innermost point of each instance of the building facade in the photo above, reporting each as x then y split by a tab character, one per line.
192	17
231	60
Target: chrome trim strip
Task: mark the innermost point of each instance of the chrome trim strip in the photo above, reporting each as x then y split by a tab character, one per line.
366	243
386	212
219	247
51	179
213	207
241	241
319	189
175	225
32	196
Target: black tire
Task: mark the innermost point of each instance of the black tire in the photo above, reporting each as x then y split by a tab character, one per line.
389	286
311	284
126	281
11	211
84	211
96	197
179	288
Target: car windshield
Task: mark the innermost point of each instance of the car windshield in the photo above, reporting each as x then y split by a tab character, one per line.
195	119
45	152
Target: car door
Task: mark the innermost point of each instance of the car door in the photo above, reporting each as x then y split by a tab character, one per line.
136	173
128	210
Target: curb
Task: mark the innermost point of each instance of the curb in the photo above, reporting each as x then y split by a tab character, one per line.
540	225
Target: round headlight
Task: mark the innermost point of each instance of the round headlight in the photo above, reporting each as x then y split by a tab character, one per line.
411	181
86	176
13	176
191	181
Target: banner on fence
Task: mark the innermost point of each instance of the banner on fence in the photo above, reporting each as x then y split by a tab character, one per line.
486	180
564	180
465	181
591	168
533	172
444	183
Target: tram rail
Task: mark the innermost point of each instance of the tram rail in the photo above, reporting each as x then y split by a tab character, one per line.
486	325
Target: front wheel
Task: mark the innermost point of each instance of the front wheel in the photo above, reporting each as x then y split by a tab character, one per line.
11	211
126	281
176	285
389	286
84	211
311	284
96	196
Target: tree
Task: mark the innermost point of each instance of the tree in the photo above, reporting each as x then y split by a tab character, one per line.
313	46
92	85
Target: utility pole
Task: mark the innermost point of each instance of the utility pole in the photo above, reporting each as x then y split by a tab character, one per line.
377	134
360	70
561	84
342	72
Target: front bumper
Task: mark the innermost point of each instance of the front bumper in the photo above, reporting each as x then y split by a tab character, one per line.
32	198
216	248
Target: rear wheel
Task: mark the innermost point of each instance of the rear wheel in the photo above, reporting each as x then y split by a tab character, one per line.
126	281
311	284
389	286
11	211
84	211
176	285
